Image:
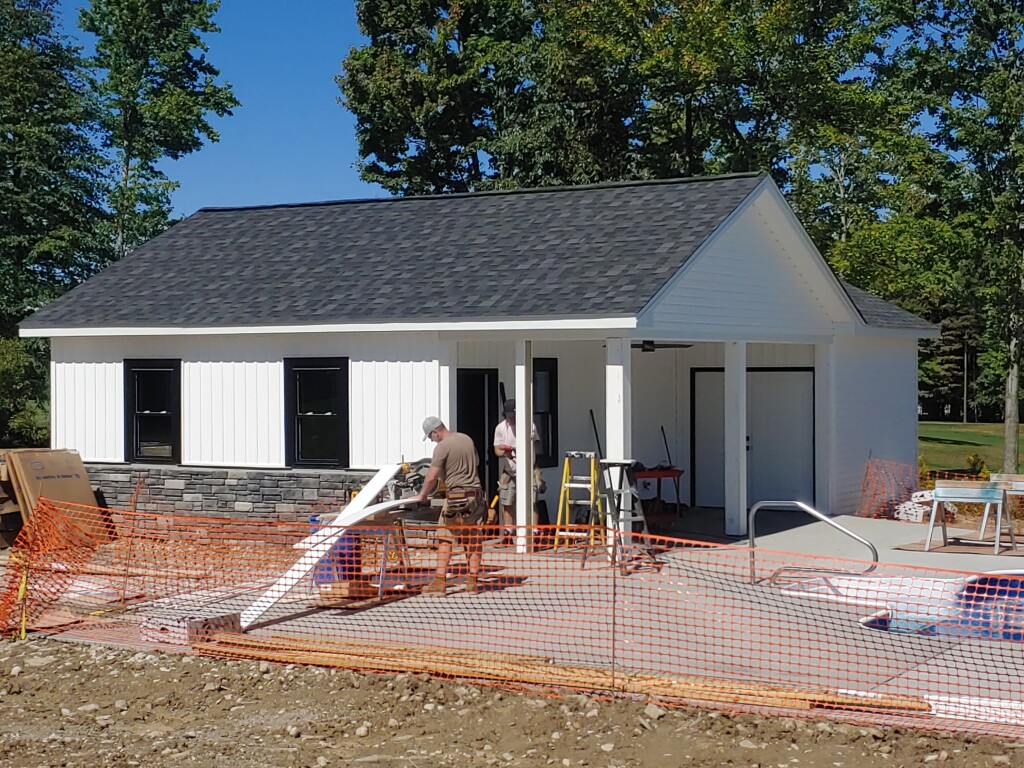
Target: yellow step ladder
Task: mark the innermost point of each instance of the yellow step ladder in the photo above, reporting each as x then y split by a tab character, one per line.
582	499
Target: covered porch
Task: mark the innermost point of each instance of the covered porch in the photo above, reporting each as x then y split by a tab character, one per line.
743	420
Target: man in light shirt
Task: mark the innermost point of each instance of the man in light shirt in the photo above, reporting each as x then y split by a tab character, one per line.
505	449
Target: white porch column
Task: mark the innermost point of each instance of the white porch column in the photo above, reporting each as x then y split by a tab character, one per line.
824	421
618	390
618	400
524	442
735	438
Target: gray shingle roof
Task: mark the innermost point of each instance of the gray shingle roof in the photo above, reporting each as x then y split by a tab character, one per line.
585	251
880	313
595	251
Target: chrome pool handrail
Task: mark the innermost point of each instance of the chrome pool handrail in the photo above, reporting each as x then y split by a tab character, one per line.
752	537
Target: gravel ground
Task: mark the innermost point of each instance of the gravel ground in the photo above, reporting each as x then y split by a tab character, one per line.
69	705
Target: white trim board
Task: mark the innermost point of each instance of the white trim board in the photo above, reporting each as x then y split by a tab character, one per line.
455	326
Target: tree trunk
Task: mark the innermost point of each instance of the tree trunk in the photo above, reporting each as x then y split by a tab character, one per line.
121	223
691	161
1011	418
964	414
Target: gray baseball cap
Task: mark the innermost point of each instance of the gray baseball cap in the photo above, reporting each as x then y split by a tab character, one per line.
430	424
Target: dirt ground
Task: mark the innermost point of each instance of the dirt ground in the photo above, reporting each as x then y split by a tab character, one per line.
68	705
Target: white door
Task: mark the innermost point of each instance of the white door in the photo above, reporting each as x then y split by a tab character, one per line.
780	442
780	423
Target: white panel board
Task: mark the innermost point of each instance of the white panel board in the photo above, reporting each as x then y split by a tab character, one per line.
233	394
709	439
321	542
86	386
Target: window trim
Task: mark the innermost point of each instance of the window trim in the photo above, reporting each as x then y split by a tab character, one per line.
131	425
290	416
548	365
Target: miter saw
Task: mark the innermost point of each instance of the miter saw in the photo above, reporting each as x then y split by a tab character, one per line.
408	482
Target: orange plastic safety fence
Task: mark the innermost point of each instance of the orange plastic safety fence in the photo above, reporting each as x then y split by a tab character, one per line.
887	489
612	614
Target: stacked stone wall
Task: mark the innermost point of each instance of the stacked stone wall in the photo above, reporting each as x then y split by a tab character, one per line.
247	493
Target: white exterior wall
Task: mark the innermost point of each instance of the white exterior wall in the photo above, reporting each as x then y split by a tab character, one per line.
713	356
754	280
233	394
87	398
233	397
874	404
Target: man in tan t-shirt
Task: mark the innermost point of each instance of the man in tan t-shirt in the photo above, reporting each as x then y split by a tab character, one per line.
455	459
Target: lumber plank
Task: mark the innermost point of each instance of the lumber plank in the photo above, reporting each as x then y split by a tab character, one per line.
540	671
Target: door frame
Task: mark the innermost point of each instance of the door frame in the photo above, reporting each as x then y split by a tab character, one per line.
754	369
490	467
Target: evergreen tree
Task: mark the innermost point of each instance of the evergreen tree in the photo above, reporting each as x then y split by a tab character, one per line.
157	90
50	199
50	190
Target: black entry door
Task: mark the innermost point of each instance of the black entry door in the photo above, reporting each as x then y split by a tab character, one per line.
477	416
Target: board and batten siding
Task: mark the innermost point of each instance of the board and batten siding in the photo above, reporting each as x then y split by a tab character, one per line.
874	407
233	394
87	399
752	281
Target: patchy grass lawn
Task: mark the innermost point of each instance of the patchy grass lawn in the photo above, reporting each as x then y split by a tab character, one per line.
946	445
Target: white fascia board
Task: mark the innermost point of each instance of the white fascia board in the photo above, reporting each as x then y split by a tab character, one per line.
466	326
863	329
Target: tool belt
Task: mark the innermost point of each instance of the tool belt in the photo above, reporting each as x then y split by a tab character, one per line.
461	502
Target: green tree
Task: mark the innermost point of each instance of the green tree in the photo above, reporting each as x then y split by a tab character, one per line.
50	175
430	87
51	199
157	90
24	420
580	102
962	58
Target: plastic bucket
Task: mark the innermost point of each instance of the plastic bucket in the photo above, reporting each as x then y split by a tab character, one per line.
343	562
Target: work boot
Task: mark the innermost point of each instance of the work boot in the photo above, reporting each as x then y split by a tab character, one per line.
436	587
471	585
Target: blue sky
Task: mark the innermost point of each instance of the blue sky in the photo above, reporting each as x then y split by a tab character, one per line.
290	141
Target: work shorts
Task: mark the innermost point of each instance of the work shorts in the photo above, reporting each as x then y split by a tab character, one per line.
507	490
461	519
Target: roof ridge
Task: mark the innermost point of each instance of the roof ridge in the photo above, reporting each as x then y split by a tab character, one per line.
494	192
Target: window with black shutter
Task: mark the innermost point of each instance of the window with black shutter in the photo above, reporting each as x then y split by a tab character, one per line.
545	409
153	411
316	411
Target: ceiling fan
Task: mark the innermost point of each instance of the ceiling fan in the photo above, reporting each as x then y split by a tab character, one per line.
647	345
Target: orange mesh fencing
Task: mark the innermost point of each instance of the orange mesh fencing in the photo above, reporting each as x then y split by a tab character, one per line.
674	621
887	489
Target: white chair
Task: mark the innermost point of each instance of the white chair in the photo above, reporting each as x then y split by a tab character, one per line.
970	492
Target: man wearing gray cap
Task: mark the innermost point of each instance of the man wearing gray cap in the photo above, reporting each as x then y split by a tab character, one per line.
455	460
